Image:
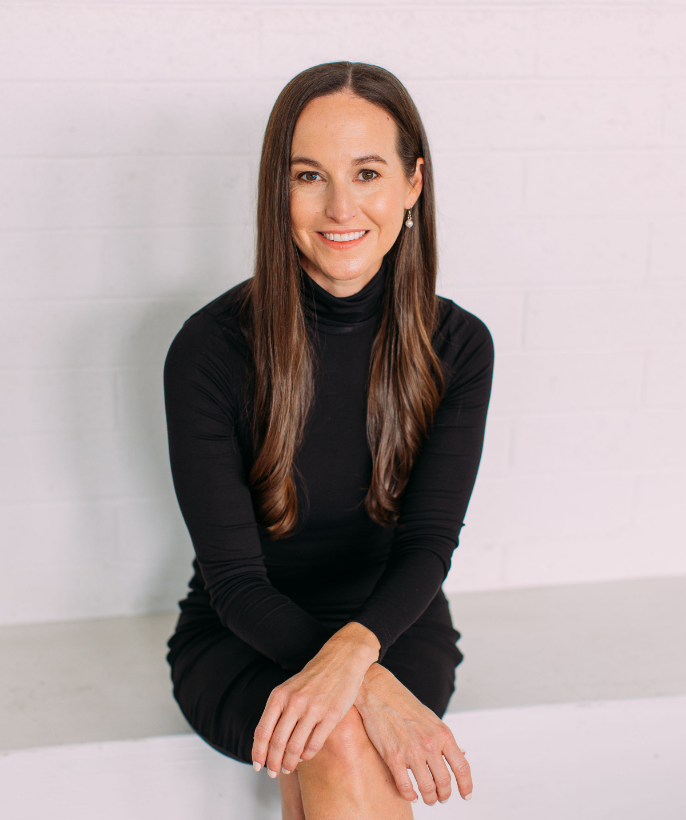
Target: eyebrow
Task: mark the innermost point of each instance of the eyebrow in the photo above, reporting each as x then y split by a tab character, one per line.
359	161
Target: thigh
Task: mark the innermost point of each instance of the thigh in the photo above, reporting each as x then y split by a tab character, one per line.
425	656
221	685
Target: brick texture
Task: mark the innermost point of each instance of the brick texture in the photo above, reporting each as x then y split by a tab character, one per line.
128	158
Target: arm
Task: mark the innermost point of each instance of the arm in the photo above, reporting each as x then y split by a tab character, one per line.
210	484
408	735
405	732
438	492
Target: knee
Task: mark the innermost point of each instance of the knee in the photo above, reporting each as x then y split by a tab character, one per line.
348	742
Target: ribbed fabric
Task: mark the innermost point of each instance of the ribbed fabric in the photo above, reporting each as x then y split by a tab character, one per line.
284	598
343	314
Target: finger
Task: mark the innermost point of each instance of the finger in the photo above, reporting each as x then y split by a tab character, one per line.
321	732
296	744
263	731
441	776
402	781
425	782
280	737
458	763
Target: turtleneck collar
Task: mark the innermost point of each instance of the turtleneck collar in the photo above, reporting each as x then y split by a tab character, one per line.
343	314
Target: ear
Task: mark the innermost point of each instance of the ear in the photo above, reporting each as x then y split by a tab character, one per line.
416	183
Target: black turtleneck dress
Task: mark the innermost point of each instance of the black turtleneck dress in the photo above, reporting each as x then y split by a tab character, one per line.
258	610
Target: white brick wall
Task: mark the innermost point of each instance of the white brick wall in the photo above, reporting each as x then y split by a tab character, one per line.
128	157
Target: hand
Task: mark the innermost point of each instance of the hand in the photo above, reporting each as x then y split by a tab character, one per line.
314	701
408	735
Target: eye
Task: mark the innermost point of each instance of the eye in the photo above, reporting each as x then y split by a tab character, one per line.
307	176
367	174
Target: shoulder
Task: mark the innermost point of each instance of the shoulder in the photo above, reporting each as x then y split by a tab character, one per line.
462	340
214	325
210	343
458	331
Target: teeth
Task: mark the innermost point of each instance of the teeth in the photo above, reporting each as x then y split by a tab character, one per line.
344	237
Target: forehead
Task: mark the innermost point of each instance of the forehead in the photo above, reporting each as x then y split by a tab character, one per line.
342	124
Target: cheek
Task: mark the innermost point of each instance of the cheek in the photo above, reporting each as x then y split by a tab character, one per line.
386	208
302	213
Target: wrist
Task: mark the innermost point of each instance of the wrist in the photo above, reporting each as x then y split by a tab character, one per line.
360	639
373	677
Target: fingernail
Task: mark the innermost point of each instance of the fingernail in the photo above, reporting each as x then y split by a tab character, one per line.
443	801
462	750
285	771
468	796
271	773
415	800
256	766
301	760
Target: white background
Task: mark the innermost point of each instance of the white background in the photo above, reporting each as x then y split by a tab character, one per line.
129	145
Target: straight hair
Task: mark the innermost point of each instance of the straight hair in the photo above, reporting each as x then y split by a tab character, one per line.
405	381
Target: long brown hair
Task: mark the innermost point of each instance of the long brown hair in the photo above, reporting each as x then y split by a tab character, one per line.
406	382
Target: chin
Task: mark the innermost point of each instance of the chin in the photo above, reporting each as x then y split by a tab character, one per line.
346	268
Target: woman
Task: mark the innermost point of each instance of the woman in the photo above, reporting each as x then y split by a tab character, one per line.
326	420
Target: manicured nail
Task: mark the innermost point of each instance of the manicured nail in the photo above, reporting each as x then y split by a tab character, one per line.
256	766
468	796
301	760
271	773
415	800
462	750
443	801
285	771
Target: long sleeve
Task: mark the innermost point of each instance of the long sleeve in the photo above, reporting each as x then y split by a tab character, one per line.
438	492
210	483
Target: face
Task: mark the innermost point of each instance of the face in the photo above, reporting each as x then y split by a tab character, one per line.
349	190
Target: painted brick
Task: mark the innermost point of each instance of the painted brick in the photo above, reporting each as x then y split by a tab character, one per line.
140	399
75	467
665	381
50	119
471	42
545	251
51	264
642	40
650	316
668	250
511	114
674	113
83	332
57	400
125	192
226	118
563	381
172	262
626	183
609	442
477	185
137	42
551	506
501	310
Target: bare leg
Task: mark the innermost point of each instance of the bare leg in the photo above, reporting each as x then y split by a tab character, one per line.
346	779
291	801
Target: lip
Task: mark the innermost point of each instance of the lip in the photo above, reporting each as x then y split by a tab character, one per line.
343	246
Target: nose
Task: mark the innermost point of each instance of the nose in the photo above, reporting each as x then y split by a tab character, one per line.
340	202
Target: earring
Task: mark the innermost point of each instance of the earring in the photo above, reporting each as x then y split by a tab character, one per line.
408	222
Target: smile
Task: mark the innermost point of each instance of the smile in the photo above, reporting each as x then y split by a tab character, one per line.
343	237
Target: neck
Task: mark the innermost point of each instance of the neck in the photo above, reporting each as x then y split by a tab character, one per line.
343	314
341	288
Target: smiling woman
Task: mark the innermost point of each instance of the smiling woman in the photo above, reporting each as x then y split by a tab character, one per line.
326	420
343	199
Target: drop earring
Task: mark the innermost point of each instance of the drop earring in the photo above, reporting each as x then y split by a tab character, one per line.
408	221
